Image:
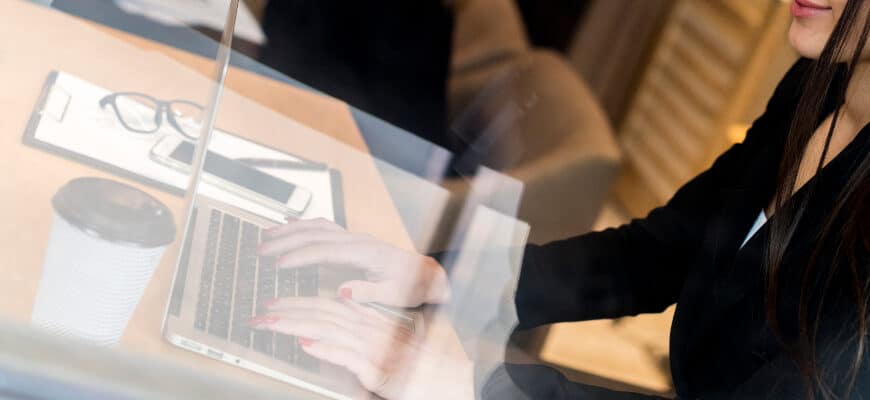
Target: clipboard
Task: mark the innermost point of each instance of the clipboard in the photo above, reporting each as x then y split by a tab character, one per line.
56	105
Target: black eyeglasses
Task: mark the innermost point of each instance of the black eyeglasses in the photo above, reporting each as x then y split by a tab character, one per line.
143	114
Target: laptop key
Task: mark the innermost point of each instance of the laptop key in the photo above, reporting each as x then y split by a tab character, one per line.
204	298
293	283
308	281
287	282
266	282
263	342
243	301
286	348
219	318
266	290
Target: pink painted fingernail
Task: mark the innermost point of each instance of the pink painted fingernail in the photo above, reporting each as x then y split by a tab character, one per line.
345	293
305	342
267	320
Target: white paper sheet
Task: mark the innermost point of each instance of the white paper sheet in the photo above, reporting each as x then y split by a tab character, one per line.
90	131
209	13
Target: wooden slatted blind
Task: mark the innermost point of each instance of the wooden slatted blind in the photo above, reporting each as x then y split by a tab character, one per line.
697	83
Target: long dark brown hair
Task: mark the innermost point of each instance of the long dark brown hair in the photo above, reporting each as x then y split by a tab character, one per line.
846	226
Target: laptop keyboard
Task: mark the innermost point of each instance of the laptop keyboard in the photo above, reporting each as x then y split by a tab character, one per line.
236	281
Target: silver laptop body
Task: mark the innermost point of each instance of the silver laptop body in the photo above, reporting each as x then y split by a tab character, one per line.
220	281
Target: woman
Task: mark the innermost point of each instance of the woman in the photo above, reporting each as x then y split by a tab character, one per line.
779	311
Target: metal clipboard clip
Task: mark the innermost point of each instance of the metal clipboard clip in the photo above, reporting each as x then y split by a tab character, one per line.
56	104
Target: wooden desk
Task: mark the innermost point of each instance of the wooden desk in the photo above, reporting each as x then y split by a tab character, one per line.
36	40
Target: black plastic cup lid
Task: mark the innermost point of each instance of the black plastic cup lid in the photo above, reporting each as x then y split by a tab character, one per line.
115	212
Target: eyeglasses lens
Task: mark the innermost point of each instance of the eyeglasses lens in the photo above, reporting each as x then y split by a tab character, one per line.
188	118
137	112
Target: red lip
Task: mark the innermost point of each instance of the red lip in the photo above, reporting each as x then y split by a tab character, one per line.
806	8
810	4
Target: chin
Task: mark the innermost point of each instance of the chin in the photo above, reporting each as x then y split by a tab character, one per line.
808	42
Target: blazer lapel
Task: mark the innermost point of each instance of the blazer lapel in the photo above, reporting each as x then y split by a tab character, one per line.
732	277
713	286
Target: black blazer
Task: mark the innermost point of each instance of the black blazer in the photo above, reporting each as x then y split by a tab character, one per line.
688	252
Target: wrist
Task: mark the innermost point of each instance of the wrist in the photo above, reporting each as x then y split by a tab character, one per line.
441	378
463	382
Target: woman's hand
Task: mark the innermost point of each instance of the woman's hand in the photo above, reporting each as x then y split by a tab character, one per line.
395	277
386	357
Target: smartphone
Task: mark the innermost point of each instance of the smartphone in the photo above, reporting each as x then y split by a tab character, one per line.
240	179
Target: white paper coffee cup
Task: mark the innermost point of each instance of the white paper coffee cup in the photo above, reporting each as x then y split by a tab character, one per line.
106	241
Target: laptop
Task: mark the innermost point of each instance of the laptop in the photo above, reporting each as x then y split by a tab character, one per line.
220	281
